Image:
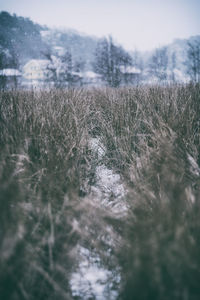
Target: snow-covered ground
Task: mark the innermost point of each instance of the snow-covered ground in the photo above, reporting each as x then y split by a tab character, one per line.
109	189
92	280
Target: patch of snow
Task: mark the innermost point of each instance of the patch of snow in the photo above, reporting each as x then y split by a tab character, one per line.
190	195
97	147
45	33
91	75
109	182
79	74
28	207
91	279
59	50
109	189
180	76
193	166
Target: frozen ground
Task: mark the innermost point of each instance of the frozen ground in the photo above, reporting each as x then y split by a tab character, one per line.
109	189
91	280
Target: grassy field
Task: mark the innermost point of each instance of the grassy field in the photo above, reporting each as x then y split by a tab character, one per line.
151	137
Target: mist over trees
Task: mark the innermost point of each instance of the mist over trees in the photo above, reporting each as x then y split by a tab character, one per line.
109	61
70	55
159	63
193	60
59	68
20	37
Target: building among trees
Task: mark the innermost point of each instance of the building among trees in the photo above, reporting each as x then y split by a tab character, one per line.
9	78
130	75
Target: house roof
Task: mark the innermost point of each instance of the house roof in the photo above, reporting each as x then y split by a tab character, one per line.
39	63
10	72
91	74
130	70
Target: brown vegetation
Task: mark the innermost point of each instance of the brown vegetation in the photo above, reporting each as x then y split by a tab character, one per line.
152	139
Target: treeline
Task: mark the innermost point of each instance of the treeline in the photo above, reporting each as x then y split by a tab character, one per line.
21	40
118	67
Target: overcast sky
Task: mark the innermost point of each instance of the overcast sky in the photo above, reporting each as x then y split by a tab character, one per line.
141	24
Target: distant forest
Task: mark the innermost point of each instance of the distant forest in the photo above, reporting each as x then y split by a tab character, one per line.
22	40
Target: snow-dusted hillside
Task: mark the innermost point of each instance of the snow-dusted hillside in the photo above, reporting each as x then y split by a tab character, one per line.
22	41
82	47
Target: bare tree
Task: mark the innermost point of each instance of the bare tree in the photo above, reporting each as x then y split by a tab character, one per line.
109	58
59	69
9	60
138	60
159	63
79	65
193	60
172	67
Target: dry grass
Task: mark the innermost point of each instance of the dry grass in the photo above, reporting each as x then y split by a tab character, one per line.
152	139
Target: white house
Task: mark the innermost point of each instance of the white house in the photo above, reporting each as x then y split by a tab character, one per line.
36	69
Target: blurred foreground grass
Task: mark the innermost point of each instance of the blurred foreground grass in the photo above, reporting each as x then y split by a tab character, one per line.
152	139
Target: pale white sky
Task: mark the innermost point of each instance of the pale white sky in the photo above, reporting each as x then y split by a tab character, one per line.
141	24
